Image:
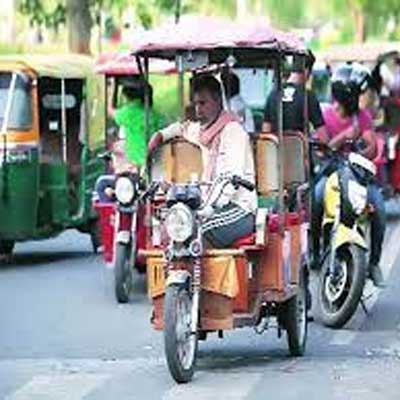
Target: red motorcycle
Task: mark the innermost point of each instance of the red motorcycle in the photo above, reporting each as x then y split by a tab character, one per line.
124	231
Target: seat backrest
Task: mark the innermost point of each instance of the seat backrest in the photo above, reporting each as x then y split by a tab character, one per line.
176	161
266	156
295	158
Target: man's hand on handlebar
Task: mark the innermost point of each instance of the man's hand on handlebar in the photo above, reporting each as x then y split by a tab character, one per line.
154	143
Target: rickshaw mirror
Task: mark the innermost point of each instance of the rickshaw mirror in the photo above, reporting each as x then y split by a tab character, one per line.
192	60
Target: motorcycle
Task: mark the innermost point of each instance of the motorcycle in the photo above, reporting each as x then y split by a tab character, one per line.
129	235
344	268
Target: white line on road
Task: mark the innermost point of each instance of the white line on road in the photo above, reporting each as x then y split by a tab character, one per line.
60	387
211	386
391	251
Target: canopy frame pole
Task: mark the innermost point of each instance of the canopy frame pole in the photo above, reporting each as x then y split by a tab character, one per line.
146	97
279	86
63	122
181	85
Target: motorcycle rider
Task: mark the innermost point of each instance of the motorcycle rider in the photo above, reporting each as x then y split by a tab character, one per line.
351	129
226	151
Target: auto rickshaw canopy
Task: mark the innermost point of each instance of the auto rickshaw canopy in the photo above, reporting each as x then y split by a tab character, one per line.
66	66
123	64
364	52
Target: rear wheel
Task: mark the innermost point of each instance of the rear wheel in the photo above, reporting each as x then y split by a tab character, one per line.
123	273
340	294
180	343
295	319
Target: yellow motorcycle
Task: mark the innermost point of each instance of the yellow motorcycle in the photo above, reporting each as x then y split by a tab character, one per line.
345	223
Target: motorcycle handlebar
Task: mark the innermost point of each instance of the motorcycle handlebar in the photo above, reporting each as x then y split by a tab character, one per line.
238	181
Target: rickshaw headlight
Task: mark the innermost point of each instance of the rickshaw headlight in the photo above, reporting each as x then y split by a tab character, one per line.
179	223
124	190
357	196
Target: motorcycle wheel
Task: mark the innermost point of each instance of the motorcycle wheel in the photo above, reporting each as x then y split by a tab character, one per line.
180	344
95	235
338	301
122	273
295	320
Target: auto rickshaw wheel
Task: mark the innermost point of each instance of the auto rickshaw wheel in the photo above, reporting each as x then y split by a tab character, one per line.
122	273
6	247
295	318
179	342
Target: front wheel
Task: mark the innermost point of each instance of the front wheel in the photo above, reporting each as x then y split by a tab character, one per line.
6	249
295	319
95	235
180	343
122	273
340	293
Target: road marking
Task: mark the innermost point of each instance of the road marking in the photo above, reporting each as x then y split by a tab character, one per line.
59	386
211	386
391	251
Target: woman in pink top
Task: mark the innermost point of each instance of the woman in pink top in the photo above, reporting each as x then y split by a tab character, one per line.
350	129
347	125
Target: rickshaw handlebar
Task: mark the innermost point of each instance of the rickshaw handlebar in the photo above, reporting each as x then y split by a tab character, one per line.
238	181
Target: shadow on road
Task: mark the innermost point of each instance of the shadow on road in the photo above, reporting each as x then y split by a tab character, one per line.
43	259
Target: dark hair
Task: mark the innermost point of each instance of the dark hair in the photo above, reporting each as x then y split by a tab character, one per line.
301	63
347	95
231	83
137	91
207	83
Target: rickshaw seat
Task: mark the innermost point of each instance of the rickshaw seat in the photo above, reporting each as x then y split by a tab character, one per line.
295	156
248	240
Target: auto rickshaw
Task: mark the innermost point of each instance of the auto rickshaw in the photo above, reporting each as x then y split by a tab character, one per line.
262	277
52	127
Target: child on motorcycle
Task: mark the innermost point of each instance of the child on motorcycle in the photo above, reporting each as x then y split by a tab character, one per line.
351	129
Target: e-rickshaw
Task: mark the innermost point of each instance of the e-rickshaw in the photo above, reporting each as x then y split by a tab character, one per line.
52	127
196	290
123	229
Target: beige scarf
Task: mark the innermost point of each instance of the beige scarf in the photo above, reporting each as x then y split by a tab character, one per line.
210	137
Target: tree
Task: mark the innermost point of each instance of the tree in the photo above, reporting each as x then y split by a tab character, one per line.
79	23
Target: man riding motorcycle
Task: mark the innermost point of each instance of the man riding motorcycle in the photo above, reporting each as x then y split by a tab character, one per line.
226	151
351	129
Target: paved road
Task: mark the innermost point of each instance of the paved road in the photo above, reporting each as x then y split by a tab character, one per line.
63	337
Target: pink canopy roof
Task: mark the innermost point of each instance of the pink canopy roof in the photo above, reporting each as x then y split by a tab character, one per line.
125	64
201	33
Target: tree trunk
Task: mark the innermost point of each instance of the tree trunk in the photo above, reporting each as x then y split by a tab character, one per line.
241	9
79	25
359	21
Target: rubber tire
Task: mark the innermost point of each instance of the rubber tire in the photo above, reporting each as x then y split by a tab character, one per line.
95	235
296	344
6	247
339	319
178	372
121	255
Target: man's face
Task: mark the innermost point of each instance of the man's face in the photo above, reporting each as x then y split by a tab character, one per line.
206	106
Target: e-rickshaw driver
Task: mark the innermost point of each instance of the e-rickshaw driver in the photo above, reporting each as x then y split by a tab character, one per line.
226	151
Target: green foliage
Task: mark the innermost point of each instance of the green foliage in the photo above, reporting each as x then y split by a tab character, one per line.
44	12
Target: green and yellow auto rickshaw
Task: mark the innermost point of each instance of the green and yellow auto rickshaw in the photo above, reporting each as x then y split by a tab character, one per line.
52	127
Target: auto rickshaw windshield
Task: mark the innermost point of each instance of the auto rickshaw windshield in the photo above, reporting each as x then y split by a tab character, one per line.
20	111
